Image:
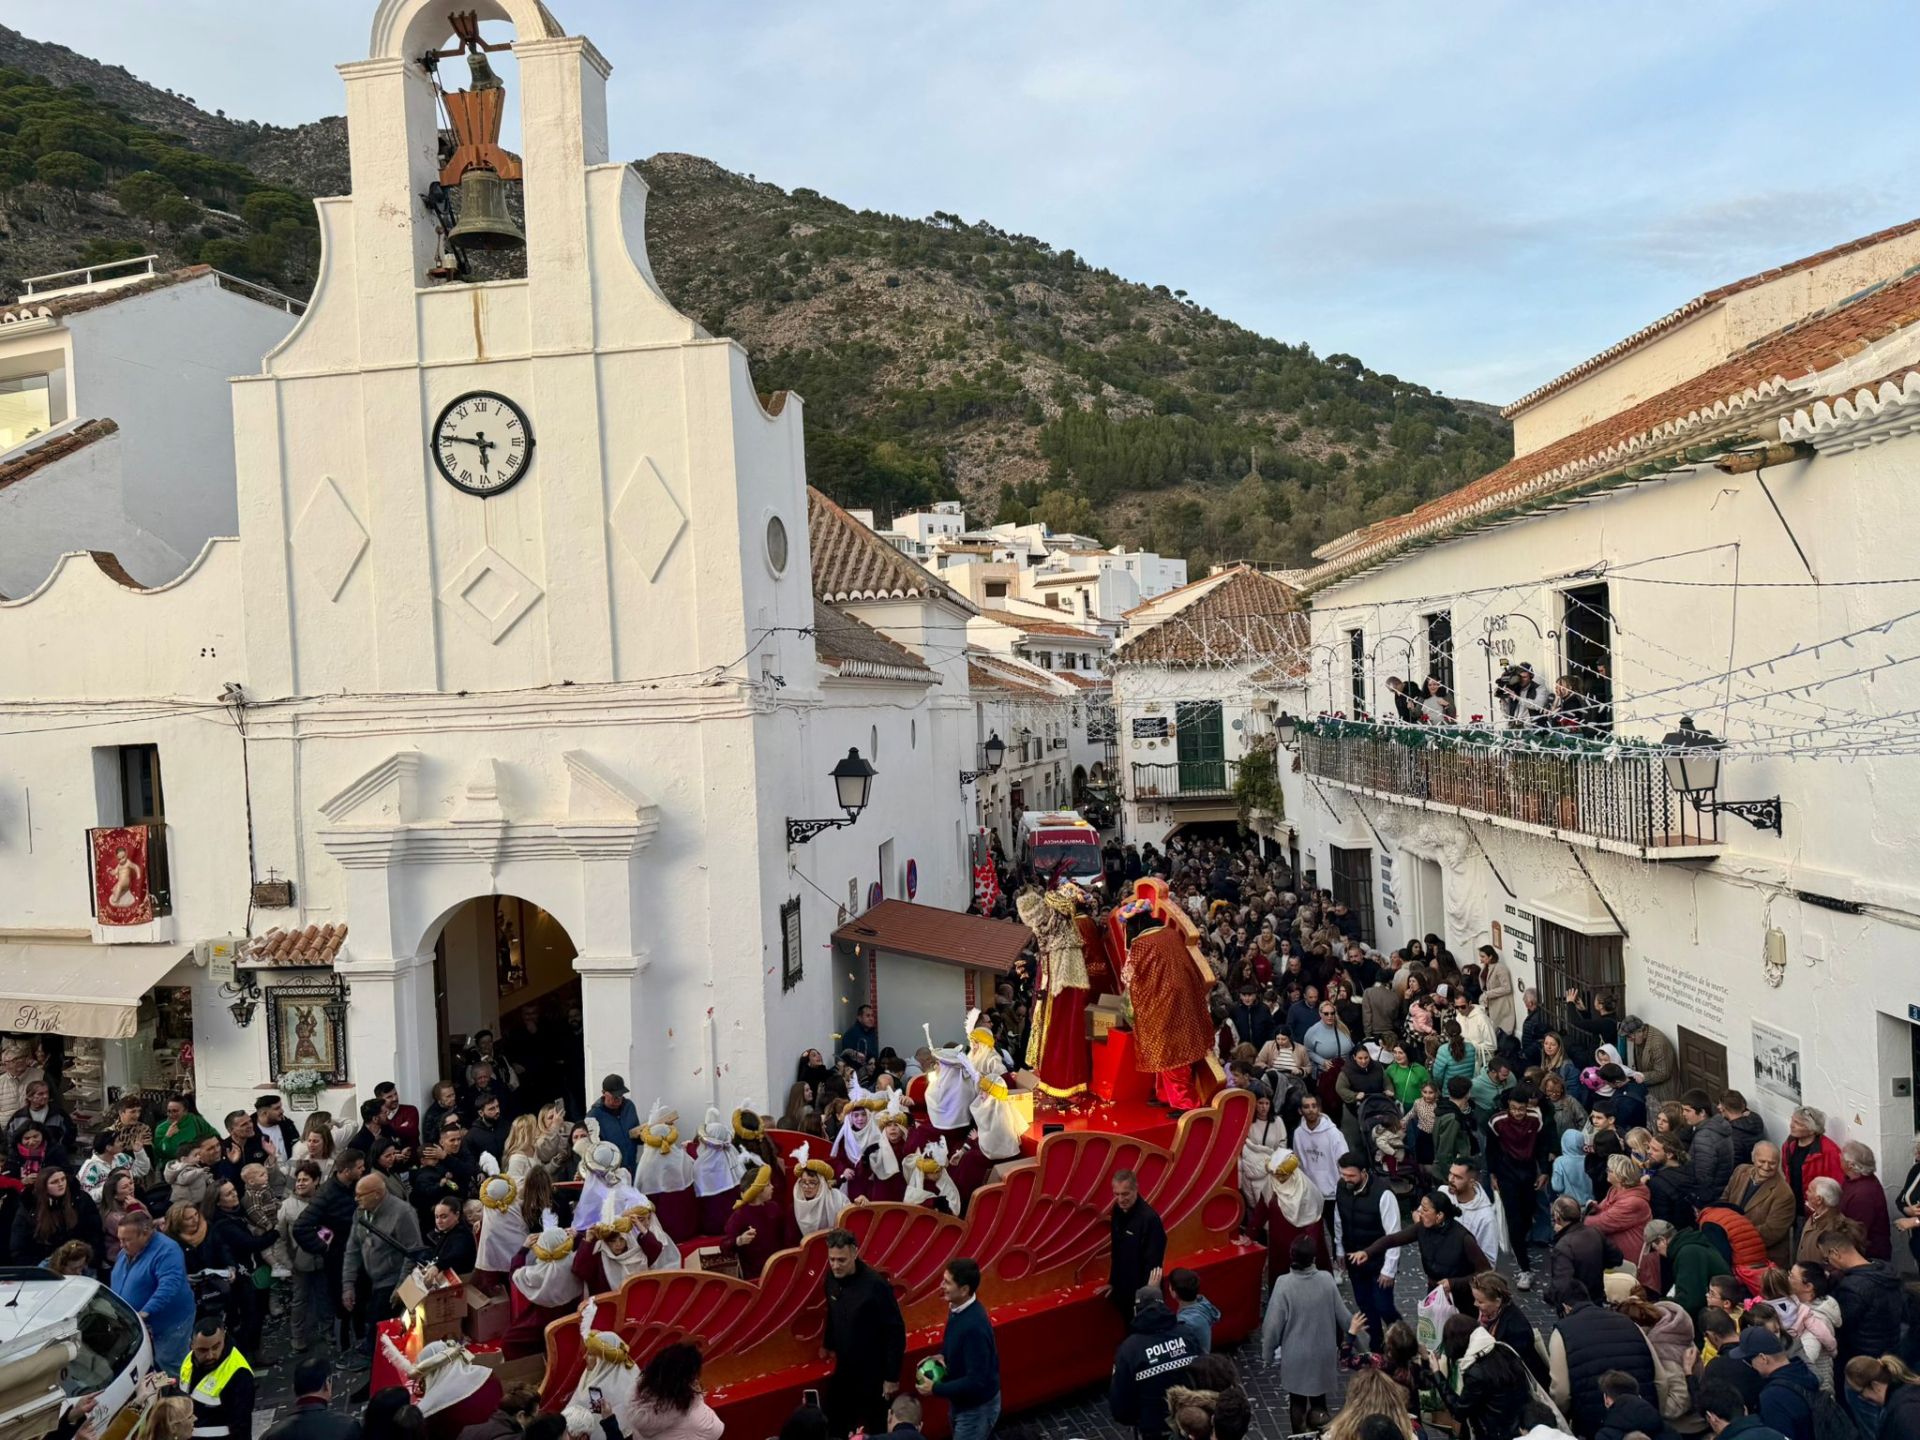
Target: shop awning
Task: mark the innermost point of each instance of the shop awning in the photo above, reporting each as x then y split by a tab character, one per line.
78	988
925	932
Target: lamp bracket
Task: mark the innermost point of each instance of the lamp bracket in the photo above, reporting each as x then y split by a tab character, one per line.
799	832
1761	814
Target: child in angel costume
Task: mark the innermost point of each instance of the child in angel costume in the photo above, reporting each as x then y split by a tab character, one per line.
928	1182
817	1201
760	1225
604	1182
544	1288
950	1090
622	1244
452	1390
1058	1051
879	1176
664	1173
718	1168
606	1366
859	1131
996	1122
503	1225
1289	1206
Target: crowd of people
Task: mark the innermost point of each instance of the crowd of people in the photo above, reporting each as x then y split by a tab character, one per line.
1700	1273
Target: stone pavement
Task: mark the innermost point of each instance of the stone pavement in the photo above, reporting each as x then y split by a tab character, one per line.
1077	1417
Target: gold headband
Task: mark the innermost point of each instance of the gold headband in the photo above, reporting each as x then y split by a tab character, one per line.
559	1252
661	1143
605	1346
759	1186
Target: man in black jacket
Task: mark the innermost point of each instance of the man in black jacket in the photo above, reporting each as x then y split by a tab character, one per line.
1872	1302
1154	1357
311	1419
1589	1341
867	1337
1627	1410
1139	1245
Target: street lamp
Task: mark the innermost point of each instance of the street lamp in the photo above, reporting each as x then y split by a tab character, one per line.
1693	769
1287	728
993	752
852	786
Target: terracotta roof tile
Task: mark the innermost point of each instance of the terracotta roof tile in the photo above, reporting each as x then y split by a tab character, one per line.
1693	307
850	562
855	648
39	453
78	304
1084	682
315	945
900	927
983	674
1249	616
1033	624
1739	394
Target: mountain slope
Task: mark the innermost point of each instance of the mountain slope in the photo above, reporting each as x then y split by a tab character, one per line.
936	357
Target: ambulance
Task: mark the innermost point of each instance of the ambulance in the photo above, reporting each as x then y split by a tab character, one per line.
1058	845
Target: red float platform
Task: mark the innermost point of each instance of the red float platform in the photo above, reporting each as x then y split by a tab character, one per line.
1115	1077
1141	1119
1040	1235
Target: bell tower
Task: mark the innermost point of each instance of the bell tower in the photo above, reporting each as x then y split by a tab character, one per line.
630	543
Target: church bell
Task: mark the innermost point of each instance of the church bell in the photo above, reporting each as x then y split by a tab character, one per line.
484	222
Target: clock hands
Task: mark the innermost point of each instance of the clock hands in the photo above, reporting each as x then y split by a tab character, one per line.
478	438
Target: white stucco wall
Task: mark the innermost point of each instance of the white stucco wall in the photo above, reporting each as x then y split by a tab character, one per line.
77	500
1696	931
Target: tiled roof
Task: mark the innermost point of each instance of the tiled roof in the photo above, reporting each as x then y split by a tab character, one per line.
1694	307
1033	624
78	304
983	673
315	945
37	456
1740	395
926	932
857	649
1084	682
1248	616
850	562
1153	602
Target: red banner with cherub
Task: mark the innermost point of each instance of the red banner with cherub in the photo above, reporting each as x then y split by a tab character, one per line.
122	889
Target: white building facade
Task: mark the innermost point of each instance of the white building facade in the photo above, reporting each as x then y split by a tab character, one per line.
552	734
1722	539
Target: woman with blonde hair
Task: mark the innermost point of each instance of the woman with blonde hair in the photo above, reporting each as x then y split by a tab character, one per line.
319	1142
1888	1392
1370	1393
1624	1212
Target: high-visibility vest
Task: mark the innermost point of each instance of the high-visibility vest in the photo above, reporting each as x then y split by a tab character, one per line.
208	1423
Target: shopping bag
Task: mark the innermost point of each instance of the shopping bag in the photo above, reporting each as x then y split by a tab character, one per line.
1500	1236
1434	1312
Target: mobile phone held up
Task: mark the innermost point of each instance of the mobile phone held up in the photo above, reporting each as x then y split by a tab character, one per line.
810	1397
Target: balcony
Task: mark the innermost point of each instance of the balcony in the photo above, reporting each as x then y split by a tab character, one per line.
1611	796
1184	780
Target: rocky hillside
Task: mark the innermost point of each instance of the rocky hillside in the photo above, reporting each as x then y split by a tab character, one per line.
937	357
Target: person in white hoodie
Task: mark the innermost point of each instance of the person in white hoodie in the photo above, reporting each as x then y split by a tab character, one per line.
1319	1144
1476	1209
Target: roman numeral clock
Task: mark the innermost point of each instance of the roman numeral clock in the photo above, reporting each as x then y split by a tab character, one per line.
482	443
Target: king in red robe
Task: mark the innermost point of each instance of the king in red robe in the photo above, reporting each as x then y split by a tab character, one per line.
1172	1026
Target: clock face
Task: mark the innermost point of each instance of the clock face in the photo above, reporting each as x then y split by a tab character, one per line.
482	443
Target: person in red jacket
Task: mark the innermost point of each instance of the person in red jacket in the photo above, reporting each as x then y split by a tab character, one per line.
1808	1153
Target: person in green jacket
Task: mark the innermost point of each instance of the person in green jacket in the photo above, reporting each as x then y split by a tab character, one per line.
183	1129
1456	1133
1690	1258
1406	1075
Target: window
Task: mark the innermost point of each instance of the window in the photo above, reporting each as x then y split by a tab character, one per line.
1440	648
1591	964
140	796
790	954
1353	886
1044	659
1357	664
996	589
26	408
1587	641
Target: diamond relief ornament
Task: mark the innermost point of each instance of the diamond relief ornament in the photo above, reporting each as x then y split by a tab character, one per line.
647	519
328	539
490	594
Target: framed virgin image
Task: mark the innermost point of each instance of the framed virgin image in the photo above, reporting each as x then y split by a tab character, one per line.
301	1035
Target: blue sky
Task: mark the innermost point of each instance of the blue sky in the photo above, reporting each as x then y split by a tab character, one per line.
1472	195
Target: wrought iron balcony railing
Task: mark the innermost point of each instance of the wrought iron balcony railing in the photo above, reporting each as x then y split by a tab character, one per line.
1613	796
1184	779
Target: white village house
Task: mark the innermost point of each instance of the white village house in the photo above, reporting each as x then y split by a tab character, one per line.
1711	520
467	744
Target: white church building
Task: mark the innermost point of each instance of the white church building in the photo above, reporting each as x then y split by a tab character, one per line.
531	645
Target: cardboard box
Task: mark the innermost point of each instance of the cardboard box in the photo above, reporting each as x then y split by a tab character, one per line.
717	1261
527	1370
486	1317
434	1303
